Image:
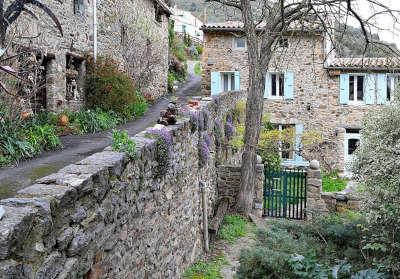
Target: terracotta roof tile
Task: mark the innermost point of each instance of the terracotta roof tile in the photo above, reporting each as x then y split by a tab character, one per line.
366	63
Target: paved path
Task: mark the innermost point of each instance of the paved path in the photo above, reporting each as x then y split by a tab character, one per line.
77	147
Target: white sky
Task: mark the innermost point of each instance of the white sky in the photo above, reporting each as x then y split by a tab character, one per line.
387	29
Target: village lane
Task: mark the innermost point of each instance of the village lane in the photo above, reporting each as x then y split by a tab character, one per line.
77	147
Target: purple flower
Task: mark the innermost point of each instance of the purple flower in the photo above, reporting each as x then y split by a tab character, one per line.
204	153
164	149
207	139
229	119
229	130
194	120
218	132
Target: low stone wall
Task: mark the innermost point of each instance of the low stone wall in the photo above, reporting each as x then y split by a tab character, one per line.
229	185
110	217
319	202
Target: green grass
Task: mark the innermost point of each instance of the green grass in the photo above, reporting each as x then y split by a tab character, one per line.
232	228
197	69
333	183
206	270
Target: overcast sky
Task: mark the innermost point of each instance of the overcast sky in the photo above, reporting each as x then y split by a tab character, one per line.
388	31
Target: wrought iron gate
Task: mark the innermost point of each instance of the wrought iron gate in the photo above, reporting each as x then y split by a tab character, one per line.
285	193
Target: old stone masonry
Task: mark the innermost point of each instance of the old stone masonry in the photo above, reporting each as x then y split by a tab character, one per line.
111	217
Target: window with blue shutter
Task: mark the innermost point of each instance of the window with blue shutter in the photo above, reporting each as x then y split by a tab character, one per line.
289	85
369	94
344	89
215	83
382	88
237	81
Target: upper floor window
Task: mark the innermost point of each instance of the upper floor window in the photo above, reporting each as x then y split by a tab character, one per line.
79	7
240	42
157	13
279	85
392	82
228	81
356	88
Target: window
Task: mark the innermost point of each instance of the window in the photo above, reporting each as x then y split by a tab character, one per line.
286	148
79	7
356	88
157	13
240	42
352	145
228	81
392	83
277	85
123	34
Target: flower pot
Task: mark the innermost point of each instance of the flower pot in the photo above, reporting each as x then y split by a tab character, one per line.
63	120
25	115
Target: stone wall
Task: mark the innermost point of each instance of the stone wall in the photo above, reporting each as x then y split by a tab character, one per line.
110	217
319	202
316	92
114	19
229	185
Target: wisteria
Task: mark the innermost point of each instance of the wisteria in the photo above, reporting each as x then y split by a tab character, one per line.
164	149
204	152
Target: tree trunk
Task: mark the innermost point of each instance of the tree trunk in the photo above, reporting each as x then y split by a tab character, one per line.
255	100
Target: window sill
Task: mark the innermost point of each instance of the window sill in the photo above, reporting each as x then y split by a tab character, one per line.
275	98
357	103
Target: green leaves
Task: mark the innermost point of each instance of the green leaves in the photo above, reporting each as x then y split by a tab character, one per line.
122	143
232	228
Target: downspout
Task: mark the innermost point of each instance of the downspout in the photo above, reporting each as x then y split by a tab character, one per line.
205	215
94	30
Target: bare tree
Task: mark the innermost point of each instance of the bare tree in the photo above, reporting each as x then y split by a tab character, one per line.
264	23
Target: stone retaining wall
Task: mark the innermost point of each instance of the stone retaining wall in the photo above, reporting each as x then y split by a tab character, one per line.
229	184
110	217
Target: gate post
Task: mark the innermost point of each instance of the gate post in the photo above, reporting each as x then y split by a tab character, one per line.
315	203
259	191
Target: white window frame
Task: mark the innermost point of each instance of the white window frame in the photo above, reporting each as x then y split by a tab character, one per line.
349	157
393	85
231	81
278	96
355	101
235	43
79	7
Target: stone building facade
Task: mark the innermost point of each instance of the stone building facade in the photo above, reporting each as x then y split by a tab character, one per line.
65	55
305	89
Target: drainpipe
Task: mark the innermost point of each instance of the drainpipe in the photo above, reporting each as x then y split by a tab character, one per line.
205	215
95	30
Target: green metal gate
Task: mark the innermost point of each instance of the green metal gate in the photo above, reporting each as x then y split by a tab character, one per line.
285	193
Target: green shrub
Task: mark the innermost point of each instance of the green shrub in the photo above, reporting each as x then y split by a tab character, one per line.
331	182
92	121
206	270
42	137
139	107
232	228
197	69
110	89
122	143
199	49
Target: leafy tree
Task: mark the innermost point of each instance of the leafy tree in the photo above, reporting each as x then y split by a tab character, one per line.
377	166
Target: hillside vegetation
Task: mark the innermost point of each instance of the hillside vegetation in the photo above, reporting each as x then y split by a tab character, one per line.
351	44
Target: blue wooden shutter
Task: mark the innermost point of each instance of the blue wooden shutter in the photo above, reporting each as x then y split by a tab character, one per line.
289	85
237	81
381	89
299	132
215	83
344	89
267	86
369	89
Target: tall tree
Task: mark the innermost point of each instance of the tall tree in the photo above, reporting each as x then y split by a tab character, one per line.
264	23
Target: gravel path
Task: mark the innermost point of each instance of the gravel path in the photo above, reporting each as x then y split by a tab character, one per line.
77	147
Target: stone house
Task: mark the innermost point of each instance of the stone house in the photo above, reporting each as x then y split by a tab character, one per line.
65	56
307	88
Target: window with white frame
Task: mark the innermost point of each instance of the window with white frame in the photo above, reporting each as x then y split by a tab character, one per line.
228	81
356	88
277	84
286	144
392	84
239	42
